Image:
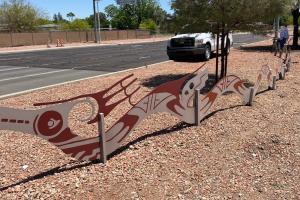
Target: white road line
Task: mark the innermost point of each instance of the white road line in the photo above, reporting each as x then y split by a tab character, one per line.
138	45
10	69
32	75
7	66
74	81
16	58
85	66
57	63
4	59
144	57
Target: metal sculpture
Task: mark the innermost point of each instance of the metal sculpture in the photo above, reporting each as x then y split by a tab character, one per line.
227	84
181	98
265	72
51	123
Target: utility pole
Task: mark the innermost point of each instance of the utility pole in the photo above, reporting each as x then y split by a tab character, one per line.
96	21
98	24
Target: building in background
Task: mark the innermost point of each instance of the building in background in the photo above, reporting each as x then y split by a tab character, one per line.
124	2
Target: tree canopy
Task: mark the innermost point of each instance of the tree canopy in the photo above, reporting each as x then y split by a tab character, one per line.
77	25
195	15
70	15
19	15
131	16
104	23
223	16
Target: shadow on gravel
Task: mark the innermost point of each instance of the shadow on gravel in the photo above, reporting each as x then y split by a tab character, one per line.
193	59
257	48
78	165
169	130
161	79
50	172
156	81
264	48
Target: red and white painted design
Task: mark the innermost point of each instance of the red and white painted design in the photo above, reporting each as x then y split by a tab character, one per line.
51	123
227	84
265	72
175	97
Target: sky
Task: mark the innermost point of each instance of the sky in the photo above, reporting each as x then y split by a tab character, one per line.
81	8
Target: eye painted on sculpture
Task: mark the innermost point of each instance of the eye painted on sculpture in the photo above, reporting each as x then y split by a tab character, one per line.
192	85
49	123
53	123
186	92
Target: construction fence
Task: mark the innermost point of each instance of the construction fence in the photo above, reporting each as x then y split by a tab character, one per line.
43	38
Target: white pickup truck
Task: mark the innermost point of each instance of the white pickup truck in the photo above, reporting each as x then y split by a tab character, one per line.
202	44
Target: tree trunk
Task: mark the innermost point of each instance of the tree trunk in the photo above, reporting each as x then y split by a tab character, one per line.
217	54
226	52
296	15
223	51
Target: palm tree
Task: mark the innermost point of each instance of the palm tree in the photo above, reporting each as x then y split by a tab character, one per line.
70	15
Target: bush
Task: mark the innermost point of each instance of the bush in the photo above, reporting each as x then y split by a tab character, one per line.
148	24
77	25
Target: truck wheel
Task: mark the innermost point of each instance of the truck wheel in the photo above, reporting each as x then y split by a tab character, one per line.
207	52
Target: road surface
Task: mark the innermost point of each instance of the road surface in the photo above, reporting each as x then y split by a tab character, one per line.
20	72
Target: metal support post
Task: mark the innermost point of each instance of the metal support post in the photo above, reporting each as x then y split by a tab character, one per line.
274	83
102	139
282	73
251	97
197	107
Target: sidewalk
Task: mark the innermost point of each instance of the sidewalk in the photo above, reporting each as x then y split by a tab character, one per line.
79	45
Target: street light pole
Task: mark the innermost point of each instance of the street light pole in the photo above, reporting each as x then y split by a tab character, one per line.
98	24
95	22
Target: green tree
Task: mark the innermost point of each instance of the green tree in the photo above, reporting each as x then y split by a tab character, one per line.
77	25
70	15
148	24
132	15
55	18
19	15
226	15
43	21
111	10
125	18
145	9
58	19
104	22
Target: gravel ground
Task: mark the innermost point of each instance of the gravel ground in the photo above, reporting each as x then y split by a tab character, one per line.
239	152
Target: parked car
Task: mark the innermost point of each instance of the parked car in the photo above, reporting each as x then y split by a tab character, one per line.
194	44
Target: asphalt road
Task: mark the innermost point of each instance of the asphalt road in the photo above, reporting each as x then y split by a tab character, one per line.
25	71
